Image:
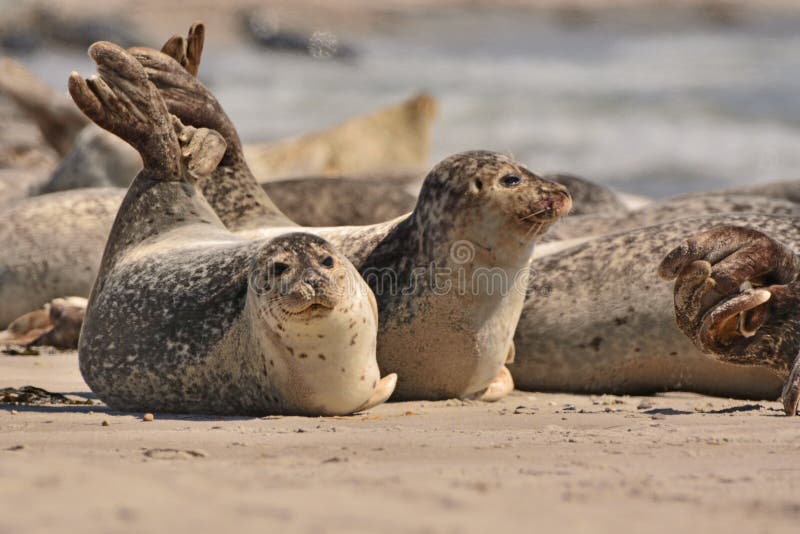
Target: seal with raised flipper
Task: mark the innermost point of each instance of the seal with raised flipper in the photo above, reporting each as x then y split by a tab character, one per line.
187	317
442	275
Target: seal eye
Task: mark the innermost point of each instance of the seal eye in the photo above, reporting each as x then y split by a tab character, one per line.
279	268
510	180
327	262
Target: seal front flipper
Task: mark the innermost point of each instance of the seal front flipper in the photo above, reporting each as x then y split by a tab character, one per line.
383	391
502	385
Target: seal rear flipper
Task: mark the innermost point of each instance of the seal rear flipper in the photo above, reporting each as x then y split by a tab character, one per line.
56	117
123	101
232	190
187	52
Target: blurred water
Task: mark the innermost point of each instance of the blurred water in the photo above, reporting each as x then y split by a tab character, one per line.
650	108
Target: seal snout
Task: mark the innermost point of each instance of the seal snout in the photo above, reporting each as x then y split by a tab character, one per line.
553	204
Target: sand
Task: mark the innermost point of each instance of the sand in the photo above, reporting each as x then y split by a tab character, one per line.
532	462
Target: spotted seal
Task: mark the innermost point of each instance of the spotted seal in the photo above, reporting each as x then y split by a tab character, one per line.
186	317
478	215
53	243
597	319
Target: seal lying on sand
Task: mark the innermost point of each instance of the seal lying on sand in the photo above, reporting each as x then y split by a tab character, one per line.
52	244
477	217
51	247
737	297
185	316
597	319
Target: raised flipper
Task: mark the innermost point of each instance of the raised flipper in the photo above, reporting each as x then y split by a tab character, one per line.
737	297
187	52
239	201
123	101
57	118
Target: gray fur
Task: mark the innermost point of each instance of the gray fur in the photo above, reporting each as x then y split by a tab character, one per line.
670	210
96	159
51	247
53	243
597	319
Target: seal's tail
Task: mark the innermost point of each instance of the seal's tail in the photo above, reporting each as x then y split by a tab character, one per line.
56	117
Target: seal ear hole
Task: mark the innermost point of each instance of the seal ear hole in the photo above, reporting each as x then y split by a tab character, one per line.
478	184
327	261
510	180
279	268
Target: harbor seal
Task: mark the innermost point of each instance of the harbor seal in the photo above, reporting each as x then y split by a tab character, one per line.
737	297
52	244
597	319
186	317
51	247
478	215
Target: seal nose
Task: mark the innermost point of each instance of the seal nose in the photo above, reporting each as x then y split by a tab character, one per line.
313	283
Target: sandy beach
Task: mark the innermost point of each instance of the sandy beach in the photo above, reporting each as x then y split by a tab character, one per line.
532	462
654	113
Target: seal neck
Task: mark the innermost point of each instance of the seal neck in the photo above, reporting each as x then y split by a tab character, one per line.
237	198
151	207
441	242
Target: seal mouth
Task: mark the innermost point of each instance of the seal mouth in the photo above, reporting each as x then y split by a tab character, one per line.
312	310
547	211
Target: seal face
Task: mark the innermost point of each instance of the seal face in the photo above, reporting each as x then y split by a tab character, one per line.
185	316
319	312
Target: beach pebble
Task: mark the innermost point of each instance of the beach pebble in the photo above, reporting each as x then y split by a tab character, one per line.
644	405
104	423
148	417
